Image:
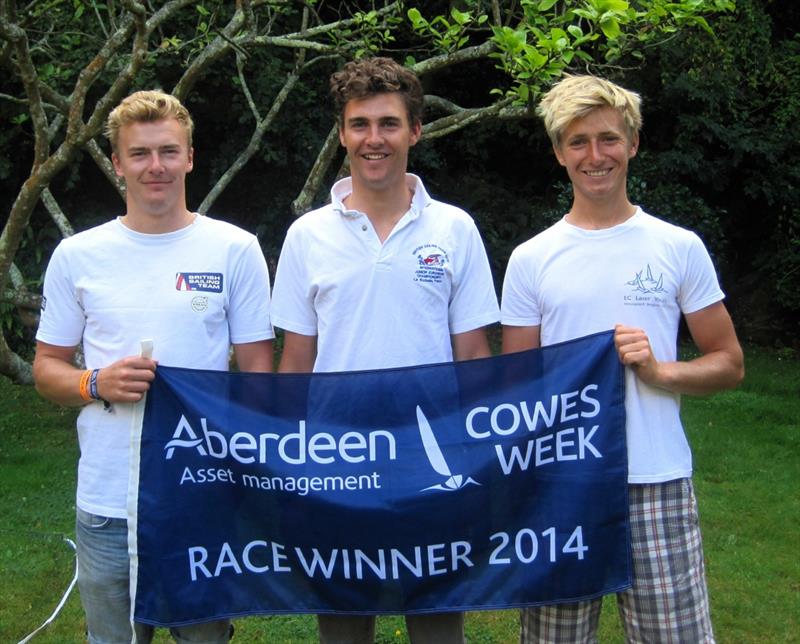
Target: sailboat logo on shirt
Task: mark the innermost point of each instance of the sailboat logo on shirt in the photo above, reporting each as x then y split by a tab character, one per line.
434	453
647	283
434	259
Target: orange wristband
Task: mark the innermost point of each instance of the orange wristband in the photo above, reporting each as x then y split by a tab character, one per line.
83	387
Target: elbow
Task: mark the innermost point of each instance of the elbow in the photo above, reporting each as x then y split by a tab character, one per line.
37	379
736	370
739	375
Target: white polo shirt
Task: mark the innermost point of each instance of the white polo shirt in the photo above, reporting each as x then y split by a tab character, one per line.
377	305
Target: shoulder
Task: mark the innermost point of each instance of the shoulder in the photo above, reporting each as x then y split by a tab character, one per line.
223	230
448	210
319	221
446	216
667	232
86	240
548	238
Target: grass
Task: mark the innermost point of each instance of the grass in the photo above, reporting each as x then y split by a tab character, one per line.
747	467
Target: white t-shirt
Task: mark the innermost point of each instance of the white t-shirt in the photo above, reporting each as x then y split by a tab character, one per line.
193	291
644	273
376	305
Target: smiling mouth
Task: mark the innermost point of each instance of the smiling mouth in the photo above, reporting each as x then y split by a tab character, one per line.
374	156
597	173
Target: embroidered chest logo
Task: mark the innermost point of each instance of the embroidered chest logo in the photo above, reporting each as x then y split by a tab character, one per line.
203	282
431	263
647	289
647	284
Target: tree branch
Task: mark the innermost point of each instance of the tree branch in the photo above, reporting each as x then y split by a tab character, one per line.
106	167
461	118
252	146
56	214
449	60
316	175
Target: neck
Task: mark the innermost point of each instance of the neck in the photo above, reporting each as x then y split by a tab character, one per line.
384	208
596	216
157	224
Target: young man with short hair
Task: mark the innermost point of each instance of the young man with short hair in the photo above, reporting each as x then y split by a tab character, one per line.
193	285
608	264
384	276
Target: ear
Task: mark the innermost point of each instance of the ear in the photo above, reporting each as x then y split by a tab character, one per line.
117	166
190	160
634	146
416	132
340	128
559	156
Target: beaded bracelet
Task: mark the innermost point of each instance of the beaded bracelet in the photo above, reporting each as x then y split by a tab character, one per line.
93	384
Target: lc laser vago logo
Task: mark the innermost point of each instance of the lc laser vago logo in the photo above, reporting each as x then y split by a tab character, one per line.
454	481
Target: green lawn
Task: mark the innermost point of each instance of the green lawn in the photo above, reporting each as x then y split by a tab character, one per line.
747	468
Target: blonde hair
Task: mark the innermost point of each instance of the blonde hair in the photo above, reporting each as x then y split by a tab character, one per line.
146	106
574	97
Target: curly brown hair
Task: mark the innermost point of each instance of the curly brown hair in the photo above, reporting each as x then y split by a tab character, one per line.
370	76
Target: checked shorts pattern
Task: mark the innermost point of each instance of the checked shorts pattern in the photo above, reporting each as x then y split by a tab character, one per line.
668	602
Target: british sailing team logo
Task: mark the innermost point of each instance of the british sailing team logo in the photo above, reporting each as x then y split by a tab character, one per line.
454	481
208	282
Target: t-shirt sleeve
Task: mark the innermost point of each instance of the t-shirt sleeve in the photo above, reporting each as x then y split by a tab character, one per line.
62	318
519	304
700	286
473	301
292	305
249	302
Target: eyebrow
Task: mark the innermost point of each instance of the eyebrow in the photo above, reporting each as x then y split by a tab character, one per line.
381	119
144	148
584	135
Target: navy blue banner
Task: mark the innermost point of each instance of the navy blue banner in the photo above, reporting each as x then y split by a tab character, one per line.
484	484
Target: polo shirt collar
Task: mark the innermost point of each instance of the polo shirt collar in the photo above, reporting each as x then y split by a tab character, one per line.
342	189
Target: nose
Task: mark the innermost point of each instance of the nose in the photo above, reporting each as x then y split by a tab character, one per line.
594	150
374	135
155	164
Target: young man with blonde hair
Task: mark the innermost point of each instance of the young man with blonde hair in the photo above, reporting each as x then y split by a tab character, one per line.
384	276
193	285
608	264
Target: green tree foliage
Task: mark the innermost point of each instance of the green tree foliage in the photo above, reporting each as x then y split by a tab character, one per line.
722	116
253	74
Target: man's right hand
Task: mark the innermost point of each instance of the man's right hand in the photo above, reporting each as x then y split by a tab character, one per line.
126	380
58	379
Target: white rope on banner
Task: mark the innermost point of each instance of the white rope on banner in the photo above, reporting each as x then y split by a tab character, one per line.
63	599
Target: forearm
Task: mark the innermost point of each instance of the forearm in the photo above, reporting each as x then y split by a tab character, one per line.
720	365
471	345
709	373
299	353
58	381
254	356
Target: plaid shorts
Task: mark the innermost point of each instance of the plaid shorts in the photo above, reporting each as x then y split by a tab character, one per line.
668	603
